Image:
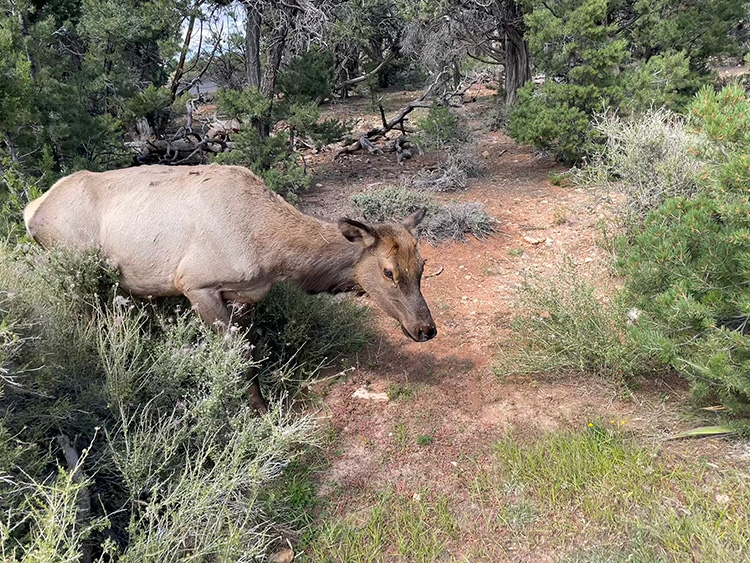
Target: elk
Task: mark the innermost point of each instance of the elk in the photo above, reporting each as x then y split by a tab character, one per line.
216	235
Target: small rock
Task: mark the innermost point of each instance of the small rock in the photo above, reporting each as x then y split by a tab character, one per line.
417	497
464	298
532	240
633	315
318	185
283	556
363	393
722	499
588	259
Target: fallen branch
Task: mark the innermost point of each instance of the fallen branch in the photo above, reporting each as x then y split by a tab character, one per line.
365	142
352	145
436	273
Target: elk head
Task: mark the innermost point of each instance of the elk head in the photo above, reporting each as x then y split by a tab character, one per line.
390	271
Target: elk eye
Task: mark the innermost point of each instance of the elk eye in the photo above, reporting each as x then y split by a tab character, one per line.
388	274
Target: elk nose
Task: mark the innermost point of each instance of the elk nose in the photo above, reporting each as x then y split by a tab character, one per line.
427	333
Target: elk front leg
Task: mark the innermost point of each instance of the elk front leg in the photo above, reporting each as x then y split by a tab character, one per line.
214	312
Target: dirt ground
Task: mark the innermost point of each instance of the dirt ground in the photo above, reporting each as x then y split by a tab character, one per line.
446	388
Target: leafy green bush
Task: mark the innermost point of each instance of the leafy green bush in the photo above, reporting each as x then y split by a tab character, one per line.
553	117
687	267
153	403
271	154
310	76
309	331
440	127
598	55
685	255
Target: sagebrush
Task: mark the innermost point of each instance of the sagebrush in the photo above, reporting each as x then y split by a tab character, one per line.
452	221
172	460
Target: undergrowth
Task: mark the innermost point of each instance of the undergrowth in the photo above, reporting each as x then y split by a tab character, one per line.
683	251
565	327
125	430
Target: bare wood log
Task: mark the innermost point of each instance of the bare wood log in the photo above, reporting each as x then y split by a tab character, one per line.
183	151
365	142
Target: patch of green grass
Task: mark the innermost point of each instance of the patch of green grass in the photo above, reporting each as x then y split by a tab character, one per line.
398	391
565	327
633	499
515	252
425	439
400	435
559	179
391	528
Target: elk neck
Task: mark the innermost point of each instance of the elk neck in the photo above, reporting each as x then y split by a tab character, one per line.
320	259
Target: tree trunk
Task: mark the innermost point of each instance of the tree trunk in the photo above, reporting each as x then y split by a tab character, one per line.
273	60
252	45
181	64
271	71
517	64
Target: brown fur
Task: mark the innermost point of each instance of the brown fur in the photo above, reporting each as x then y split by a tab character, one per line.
216	234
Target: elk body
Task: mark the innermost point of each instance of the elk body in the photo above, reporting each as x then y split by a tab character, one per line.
216	235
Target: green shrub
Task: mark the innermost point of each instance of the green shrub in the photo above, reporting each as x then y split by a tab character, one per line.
595	55
724	117
309	331
553	117
650	159
270	158
565	327
310	76
687	267
685	256
154	402
440	127
268	153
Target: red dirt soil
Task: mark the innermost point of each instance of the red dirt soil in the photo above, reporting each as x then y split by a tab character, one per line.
454	395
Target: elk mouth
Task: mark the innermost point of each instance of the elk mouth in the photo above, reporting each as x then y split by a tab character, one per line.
422	336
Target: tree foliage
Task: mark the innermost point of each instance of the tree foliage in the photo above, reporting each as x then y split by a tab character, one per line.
68	70
687	262
619	55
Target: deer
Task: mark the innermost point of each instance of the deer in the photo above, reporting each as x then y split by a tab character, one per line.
218	236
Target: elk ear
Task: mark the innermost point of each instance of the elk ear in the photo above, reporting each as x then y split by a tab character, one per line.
412	221
357	232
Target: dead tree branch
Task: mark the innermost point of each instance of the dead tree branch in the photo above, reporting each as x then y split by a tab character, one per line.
353	144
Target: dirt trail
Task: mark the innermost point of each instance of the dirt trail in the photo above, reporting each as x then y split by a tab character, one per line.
446	388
